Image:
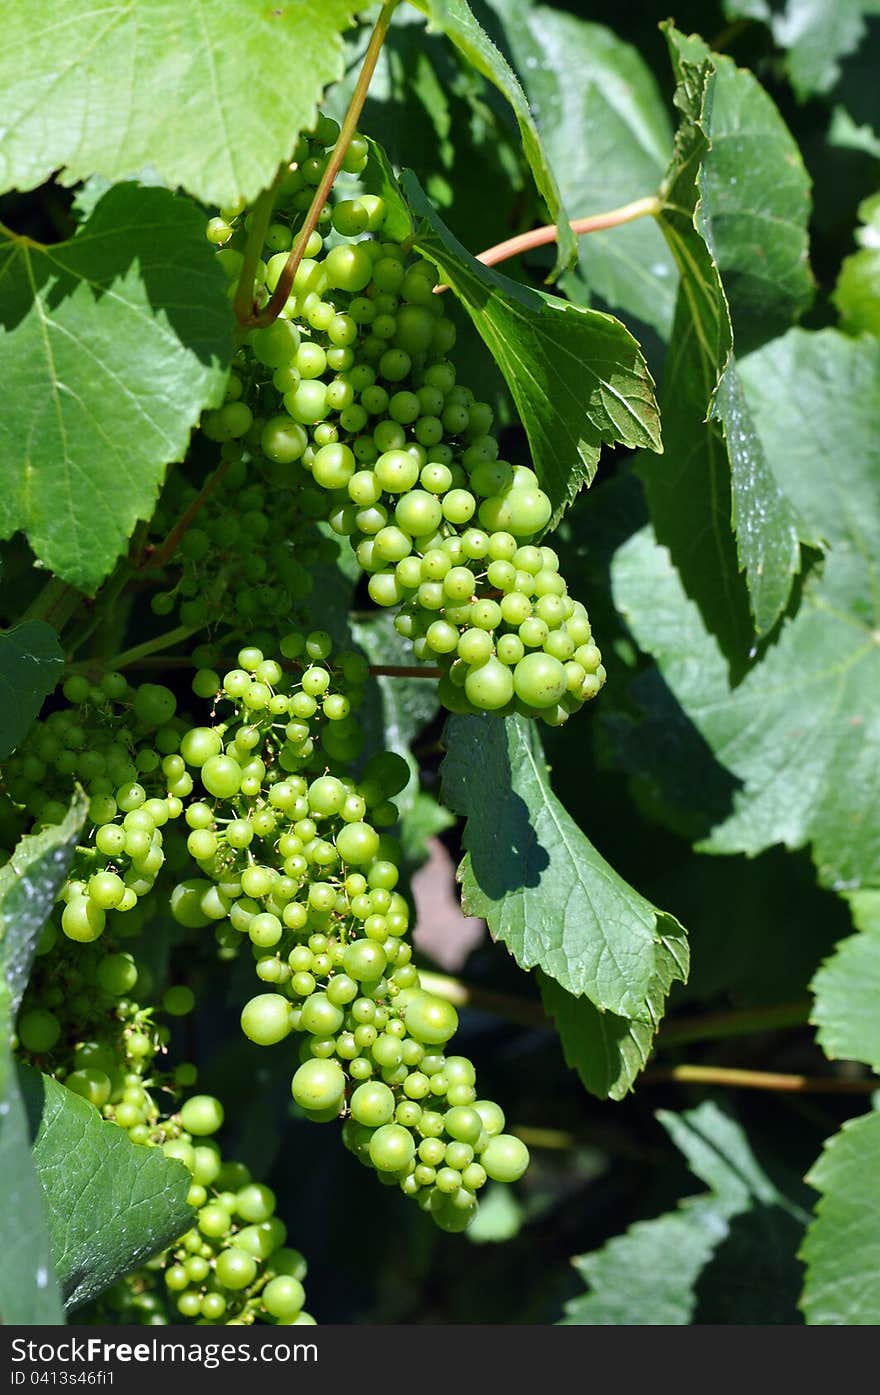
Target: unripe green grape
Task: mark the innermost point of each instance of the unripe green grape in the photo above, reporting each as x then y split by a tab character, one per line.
490	686
38	1030
319	1085
221	776
357	844
283	1297
235	1268
83	920
431	1020
266	1019
201	1115
505	1159
391	1148
539	680
492	1116
348	268
372	1104
117	974
200	743
90	1084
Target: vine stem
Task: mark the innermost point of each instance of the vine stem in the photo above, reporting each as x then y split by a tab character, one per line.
184	523
539	237
278	300
243	304
131	658
54	603
760	1080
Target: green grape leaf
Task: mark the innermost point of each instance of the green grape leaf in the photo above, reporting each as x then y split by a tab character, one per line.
609	1051
540	884
110	1203
716	503
797	739
29	883
842	1245
846	133
857	293
456	19
817	35
608	137
31	660
847	989
111	345
578	378
665	1271
99	91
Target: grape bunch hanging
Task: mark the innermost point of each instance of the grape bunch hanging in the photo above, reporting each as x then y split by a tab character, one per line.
258	823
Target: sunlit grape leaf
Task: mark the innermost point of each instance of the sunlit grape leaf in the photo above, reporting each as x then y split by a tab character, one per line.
799	737
29	883
31	660
578	378
842	1245
111	345
212	96
715	501
540	884
857	293
110	1203
817	35
456	19
847	989
607	133
668	1271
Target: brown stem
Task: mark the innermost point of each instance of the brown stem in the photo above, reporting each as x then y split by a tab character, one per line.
539	237
760	1080
279	297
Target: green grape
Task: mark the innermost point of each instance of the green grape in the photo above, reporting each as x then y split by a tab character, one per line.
266	1019
201	1115
38	1030
391	1148
283	1297
431	1020
318	1085
505	1158
372	1104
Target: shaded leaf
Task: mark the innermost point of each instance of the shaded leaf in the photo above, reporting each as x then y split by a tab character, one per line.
31	660
799	736
111	345
847	989
541	885
655	1274
29	883
457	21
577	376
842	1245
110	1203
818	34
715	502
857	293
212	97
608	136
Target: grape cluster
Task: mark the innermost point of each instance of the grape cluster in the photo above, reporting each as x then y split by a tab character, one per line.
296	860
351	391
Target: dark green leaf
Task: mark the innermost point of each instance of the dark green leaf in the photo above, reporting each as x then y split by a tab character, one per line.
847	989
541	885
110	1203
606	1050
799	735
661	1272
29	883
842	1246
456	19
31	660
715	477
608	137
212	97
111	346
577	376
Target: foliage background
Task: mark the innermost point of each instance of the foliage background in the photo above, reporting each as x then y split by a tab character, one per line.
643	778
